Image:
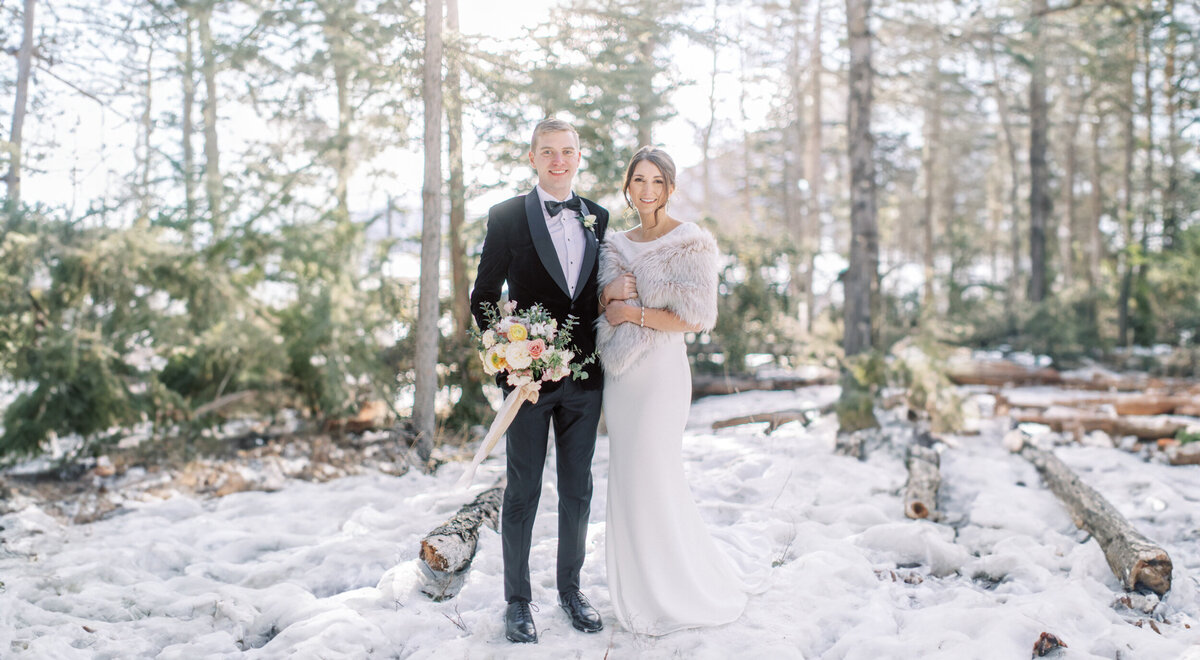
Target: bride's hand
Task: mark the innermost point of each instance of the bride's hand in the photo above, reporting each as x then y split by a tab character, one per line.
622	288
619	311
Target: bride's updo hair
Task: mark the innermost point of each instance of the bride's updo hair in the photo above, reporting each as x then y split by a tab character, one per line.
659	159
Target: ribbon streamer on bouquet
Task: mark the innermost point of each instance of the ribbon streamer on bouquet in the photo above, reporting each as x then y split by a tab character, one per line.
504	417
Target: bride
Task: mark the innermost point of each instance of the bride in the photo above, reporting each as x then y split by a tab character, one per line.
659	280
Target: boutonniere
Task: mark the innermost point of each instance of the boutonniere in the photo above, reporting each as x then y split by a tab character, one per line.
589	222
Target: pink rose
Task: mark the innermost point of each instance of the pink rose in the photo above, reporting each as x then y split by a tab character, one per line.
536	348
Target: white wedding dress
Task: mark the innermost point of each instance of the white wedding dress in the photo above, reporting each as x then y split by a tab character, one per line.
665	572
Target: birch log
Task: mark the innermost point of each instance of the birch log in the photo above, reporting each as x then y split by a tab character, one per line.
1188	454
924	479
776	419
1133	558
1145	427
703	385
447	551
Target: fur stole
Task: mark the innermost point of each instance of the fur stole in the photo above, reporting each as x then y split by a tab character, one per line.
677	272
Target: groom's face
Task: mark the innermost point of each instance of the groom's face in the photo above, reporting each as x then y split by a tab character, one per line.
555	156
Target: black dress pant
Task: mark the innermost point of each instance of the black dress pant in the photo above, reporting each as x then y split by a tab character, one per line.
575	413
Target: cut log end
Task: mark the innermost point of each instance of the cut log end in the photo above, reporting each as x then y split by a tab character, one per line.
1046	643
917	511
1153	573
433	558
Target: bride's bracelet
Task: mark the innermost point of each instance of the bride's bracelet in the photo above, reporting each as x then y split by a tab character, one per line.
642	323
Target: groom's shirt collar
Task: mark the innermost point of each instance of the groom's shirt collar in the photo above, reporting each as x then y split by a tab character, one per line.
544	196
566	233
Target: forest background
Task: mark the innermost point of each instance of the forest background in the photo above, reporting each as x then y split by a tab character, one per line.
212	206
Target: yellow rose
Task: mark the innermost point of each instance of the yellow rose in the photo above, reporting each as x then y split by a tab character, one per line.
517	332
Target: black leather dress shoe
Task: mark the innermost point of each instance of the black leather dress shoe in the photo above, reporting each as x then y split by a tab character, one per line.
583	616
518	623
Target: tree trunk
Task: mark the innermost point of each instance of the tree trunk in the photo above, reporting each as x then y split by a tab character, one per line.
862	275
1134	559
1145	324
447	551
924	479
645	119
186	121
1014	187
995	206
341	80
1039	198
747	191
24	63
1094	239
1066	233
933	130
1170	200
460	306
1126	260
814	173
796	211
212	159
431	230
707	133
472	405
147	130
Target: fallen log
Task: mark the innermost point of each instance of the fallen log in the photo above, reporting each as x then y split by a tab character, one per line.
703	385
996	373
775	419
999	374
447	551
1120	402
1134	559
1047	643
1188	454
1078	422
223	402
924	479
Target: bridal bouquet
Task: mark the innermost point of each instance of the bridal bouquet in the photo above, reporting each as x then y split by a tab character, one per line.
529	346
532	349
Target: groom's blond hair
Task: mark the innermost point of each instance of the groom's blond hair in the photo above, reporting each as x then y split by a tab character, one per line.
551	125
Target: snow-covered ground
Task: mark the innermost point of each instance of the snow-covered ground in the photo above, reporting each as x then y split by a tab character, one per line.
327	570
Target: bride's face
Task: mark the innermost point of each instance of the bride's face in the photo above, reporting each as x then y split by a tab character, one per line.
648	188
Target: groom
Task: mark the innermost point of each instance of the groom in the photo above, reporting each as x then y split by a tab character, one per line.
539	245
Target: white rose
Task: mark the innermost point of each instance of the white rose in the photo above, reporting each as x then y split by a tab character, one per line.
517	354
489	339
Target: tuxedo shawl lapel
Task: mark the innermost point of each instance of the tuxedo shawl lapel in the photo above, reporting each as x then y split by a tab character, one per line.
542	243
590	249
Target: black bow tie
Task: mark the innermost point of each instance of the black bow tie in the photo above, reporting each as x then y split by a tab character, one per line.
575	204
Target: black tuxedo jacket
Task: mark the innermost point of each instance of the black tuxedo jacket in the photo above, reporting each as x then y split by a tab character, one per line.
518	250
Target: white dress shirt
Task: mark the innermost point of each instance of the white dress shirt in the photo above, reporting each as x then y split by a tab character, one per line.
566	231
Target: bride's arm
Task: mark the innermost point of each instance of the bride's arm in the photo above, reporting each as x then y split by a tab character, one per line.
622	288
619	311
